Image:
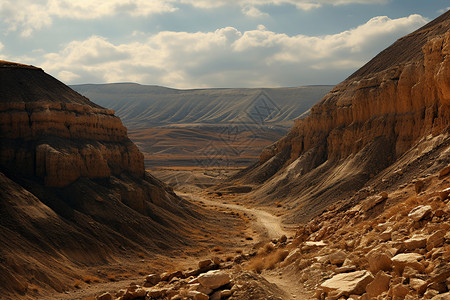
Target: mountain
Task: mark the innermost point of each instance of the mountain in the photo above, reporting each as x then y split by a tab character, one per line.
388	116
193	127
73	190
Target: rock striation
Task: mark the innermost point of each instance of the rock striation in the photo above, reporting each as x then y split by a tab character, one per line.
402	94
49	131
393	111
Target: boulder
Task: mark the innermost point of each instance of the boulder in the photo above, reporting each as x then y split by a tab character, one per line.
379	260
337	258
152	279
415	242
398	291
105	296
195	295
204	263
420	212
347	284
418	186
444	193
379	284
436	239
444	296
400	261
444	172
418	284
214	279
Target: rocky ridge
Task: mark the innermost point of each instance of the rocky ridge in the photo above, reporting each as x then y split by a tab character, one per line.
397	101
59	139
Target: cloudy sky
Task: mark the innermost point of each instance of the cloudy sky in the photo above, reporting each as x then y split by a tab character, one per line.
206	43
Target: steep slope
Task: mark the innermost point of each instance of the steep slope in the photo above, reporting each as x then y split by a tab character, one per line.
73	190
186	128
366	123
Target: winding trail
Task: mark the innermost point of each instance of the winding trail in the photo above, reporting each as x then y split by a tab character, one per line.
268	225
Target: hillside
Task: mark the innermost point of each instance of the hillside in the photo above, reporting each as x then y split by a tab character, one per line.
74	193
186	128
388	116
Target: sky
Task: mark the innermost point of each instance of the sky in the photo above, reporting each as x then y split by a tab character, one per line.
206	43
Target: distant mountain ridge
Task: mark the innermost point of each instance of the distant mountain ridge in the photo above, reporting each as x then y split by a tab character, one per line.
141	106
188	127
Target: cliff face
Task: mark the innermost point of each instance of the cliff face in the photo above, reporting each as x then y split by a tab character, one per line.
403	101
51	132
396	105
73	190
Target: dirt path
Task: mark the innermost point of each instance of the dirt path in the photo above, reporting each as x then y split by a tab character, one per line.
266	224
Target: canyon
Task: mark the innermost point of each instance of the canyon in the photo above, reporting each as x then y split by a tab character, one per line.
352	203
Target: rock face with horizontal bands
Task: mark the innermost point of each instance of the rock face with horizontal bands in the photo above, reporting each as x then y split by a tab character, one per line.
49	131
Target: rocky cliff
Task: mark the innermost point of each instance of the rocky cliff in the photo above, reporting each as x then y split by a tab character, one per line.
73	190
398	99
52	132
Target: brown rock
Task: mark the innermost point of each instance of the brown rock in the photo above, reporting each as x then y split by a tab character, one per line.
398	292
436	239
379	284
418	284
444	172
204	263
420	212
105	296
197	295
346	284
379	260
214	279
444	193
415	242
400	261
152	279
418	186
445	296
338	257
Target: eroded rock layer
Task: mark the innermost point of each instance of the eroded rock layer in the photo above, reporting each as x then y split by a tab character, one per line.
49	131
402	94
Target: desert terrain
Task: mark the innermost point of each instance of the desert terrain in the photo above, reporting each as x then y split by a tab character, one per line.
352	202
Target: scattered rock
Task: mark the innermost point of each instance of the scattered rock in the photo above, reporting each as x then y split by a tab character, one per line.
379	284
418	186
105	296
417	241
214	279
379	261
346	284
436	239
420	212
195	295
152	279
337	258
418	284
204	263
444	193
400	261
444	172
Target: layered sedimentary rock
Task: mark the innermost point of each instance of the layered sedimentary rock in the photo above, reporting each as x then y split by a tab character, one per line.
402	94
386	115
49	131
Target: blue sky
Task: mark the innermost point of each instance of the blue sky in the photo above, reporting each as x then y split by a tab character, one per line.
206	43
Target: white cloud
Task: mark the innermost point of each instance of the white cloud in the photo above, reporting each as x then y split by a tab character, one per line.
26	16
441	11
227	57
253	12
29	15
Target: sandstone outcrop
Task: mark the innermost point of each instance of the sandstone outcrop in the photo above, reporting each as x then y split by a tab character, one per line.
51	132
397	105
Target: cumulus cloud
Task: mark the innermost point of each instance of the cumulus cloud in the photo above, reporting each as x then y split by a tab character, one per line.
253	12
227	57
441	11
29	15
